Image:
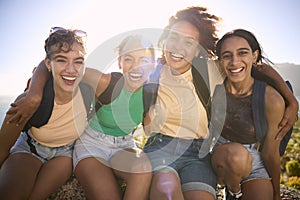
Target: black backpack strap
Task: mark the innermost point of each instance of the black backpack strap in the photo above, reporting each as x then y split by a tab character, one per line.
44	111
150	89
201	82
112	91
258	109
259	114
88	95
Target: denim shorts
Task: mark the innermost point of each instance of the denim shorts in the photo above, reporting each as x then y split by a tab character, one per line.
182	157
26	144
93	143
258	168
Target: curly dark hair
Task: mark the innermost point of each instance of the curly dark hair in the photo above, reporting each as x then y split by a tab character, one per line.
205	23
64	39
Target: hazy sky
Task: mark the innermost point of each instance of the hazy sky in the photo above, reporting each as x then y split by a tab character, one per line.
25	24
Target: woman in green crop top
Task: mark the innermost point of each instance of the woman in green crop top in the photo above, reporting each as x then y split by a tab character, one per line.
107	149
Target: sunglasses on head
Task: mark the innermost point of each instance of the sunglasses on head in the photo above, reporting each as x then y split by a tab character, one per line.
63	31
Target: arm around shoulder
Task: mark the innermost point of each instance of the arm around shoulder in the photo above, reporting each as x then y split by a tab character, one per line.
98	80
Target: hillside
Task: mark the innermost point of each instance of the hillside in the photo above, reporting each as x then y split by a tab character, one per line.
290	72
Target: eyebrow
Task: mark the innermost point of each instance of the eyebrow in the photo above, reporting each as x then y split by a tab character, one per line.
240	49
64	57
180	34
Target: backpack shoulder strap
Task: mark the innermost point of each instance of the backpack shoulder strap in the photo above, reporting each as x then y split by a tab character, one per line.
201	80
258	109
259	114
44	111
88	94
112	91
150	89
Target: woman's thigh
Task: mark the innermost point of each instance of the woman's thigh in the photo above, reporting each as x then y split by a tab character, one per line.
19	171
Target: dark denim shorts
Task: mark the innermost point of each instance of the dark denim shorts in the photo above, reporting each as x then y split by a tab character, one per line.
182	157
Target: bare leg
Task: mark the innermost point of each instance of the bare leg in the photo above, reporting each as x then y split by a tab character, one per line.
166	185
198	195
19	172
135	168
52	175
97	179
258	189
231	162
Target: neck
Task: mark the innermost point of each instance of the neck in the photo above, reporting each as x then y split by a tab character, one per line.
63	97
243	88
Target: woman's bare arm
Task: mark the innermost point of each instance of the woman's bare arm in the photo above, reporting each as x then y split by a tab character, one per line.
274	109
24	107
267	74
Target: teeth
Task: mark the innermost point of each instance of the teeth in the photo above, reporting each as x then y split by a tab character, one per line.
176	55
69	78
135	75
236	70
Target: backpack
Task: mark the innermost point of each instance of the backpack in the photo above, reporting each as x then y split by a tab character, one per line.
259	114
44	111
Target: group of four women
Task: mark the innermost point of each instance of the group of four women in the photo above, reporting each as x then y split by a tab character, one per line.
173	99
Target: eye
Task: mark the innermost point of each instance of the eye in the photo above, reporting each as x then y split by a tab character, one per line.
243	53
189	42
128	59
79	62
145	61
60	60
225	56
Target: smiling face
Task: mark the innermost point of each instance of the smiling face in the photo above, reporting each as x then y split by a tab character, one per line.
181	46
137	60
67	69
137	66
236	59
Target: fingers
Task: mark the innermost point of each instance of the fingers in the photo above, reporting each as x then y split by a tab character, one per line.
22	120
12	110
284	126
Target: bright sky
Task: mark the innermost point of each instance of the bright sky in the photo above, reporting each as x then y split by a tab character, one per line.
25	25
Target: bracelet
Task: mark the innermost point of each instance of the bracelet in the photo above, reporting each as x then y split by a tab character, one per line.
236	194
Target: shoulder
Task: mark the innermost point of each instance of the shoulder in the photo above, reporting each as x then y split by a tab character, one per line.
273	97
273	100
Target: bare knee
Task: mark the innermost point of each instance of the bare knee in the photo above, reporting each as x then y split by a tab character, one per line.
165	185
231	158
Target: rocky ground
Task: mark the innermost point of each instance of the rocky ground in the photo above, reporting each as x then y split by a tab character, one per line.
72	190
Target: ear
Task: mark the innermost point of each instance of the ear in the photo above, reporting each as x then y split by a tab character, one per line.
255	56
119	62
48	64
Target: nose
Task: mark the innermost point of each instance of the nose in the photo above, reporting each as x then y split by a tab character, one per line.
235	59
70	67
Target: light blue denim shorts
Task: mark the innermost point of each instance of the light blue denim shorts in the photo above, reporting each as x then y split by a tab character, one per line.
259	170
26	144
93	143
181	156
